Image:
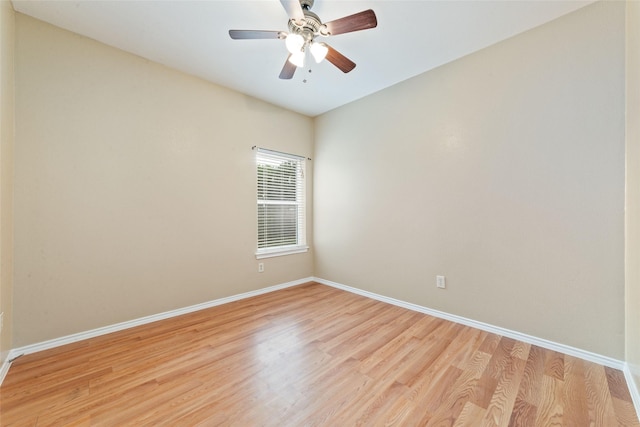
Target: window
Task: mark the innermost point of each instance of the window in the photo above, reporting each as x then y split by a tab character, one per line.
281	204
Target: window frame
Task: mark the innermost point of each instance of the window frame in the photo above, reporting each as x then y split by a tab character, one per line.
264	156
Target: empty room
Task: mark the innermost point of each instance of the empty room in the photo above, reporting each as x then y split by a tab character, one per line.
319	213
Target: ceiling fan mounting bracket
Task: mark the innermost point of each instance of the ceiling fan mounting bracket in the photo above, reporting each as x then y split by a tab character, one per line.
306	4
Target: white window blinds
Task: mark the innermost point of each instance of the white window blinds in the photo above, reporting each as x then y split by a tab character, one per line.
281	203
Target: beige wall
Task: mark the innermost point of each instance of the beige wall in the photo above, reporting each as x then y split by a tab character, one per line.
632	260
503	171
6	171
505	174
134	186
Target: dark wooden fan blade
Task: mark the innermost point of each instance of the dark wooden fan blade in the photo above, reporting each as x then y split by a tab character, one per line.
288	70
256	34
294	10
356	22
339	60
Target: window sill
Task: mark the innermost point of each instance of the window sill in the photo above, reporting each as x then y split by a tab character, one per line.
269	253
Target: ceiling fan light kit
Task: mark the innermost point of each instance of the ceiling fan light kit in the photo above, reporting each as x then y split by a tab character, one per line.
318	51
294	43
297	59
304	27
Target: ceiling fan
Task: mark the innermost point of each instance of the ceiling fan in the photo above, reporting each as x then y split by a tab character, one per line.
304	27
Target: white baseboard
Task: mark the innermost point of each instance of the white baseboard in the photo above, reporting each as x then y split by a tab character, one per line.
576	352
583	354
4	368
633	387
56	342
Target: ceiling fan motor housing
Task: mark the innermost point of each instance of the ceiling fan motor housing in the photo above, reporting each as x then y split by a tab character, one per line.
310	27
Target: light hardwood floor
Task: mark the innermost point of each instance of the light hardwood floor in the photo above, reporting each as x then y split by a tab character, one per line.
310	355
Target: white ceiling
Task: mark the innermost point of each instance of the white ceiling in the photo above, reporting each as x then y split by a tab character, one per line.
192	36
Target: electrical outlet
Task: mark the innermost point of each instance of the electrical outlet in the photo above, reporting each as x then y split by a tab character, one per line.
1	321
440	282
260	267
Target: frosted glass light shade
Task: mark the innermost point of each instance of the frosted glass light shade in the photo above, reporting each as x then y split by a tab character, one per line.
294	43
297	59
319	51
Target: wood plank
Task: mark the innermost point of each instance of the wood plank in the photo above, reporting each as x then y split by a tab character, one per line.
625	412
462	391
576	410
470	416
550	407
598	396
501	405
490	343
310	355
521	350
523	414
617	384
532	376
554	365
